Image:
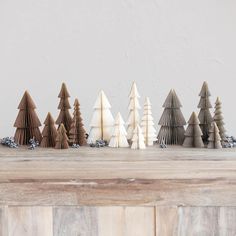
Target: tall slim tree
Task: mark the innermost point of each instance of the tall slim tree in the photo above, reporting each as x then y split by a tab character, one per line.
49	132
64	107
62	139
205	116
219	119
102	120
27	121
214	141
172	121
147	124
77	133
193	134
138	139
119	138
134	107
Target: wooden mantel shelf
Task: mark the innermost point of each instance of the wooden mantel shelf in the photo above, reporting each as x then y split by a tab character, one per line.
96	177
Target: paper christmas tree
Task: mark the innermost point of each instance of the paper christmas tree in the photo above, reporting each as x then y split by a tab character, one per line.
172	121
147	124
64	106
77	132
118	138
205	116
214	141
219	119
49	132
138	139
62	139
193	134
134	107
27	122
102	120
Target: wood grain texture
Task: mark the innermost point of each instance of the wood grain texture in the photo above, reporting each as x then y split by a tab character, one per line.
207	221
104	221
167	219
3	221
131	192
75	221
30	221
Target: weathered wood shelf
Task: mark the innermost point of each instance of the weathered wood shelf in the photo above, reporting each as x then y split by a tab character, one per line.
166	186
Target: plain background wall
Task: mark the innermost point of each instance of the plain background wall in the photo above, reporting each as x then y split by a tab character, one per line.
94	44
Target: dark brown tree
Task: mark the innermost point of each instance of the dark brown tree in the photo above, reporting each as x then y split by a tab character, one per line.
205	116
172	121
193	134
62	139
219	119
64	107
27	121
49	132
77	132
214	141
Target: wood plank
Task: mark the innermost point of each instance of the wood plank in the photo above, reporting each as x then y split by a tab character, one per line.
111	221
140	221
120	192
121	154
28	221
207	221
3	221
227	221
104	221
166	221
75	221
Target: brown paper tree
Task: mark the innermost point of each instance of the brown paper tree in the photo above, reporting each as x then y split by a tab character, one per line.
62	139
205	116
49	132
219	119
172	121
193	134
214	141
27	122
64	106
77	132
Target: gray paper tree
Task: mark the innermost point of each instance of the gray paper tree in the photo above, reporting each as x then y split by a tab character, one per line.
219	119
214	141
172	121
193	134
205	116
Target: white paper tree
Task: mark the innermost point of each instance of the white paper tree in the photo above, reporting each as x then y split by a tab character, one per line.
214	140
147	124
119	134
102	120
134	107
138	139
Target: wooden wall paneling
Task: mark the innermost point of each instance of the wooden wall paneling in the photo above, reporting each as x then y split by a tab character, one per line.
166	221
197	221
3	221
30	221
227	221
70	221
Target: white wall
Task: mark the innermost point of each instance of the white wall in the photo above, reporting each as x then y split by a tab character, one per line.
93	44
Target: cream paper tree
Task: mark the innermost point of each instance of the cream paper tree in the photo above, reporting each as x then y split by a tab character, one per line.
102	120
147	124
193	134
219	119
119	134
138	139
134	107
214	140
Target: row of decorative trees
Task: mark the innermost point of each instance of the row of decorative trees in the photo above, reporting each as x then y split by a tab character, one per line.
202	129
27	124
